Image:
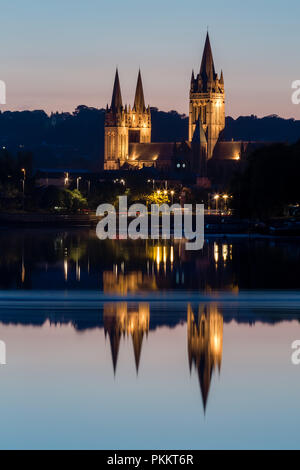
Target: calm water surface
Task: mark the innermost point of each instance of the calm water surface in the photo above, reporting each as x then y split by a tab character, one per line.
121	345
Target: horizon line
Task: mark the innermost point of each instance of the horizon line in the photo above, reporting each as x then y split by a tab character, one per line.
158	109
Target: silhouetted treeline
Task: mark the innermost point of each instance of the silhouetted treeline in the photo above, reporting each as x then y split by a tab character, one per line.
267	129
76	140
270	182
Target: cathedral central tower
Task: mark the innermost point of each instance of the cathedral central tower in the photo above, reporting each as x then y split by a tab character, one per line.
207	101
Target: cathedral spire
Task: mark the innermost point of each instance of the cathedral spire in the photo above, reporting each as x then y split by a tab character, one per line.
116	102
139	101
222	78
207	70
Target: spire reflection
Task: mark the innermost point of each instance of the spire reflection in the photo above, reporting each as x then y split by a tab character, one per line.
121	319
205	344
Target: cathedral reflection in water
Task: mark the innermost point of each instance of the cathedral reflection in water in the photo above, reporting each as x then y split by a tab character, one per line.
60	260
204	337
122	320
205	344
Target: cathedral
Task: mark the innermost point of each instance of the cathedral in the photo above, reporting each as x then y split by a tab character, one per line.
128	144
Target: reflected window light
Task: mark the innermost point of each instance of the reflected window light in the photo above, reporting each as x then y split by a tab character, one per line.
172	255
66	269
23	274
165	254
158	256
77	272
225	252
216	253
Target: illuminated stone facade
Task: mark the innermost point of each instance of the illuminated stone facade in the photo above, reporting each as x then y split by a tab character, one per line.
128	143
207	101
128	130
125	125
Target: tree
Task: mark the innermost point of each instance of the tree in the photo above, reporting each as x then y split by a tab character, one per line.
269	183
157	197
74	200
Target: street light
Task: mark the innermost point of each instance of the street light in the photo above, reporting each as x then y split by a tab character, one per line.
24	178
225	197
66	179
172	194
216	198
23	183
152	181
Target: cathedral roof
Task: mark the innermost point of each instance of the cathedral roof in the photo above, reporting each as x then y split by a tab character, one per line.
151	151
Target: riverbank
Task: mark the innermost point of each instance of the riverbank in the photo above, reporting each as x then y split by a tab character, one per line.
47	219
213	224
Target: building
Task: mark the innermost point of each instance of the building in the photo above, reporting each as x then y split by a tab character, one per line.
125	126
128	144
207	101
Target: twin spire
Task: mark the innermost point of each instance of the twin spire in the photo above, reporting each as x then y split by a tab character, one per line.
207	73
116	102
139	101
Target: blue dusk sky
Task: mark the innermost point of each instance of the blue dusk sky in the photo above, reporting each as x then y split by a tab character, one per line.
58	54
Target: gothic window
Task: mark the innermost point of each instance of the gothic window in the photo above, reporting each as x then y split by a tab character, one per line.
204	115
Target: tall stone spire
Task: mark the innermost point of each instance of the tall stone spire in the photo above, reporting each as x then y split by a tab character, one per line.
222	78
139	101
207	99
116	102
207	69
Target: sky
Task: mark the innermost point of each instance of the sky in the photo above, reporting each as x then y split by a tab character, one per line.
58	54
